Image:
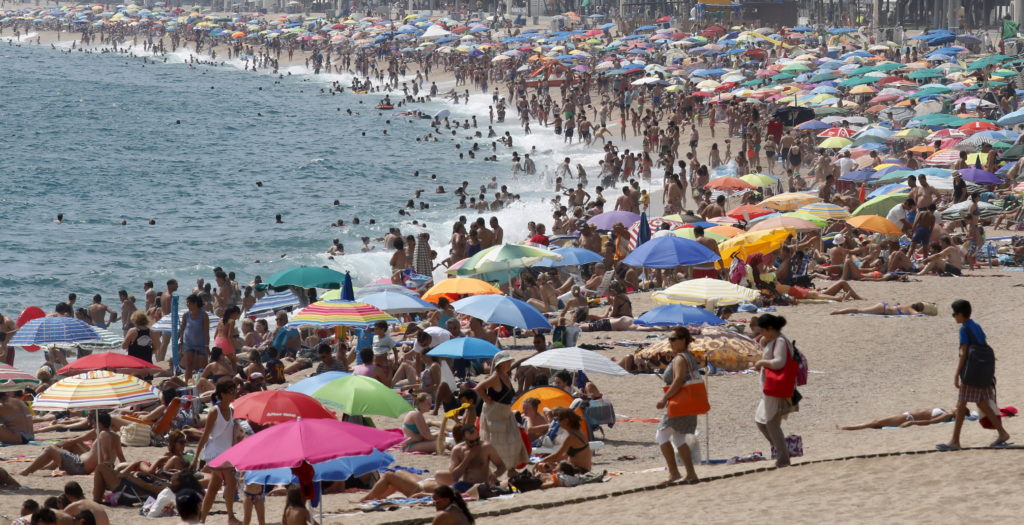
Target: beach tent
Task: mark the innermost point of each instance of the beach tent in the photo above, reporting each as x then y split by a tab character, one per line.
434	32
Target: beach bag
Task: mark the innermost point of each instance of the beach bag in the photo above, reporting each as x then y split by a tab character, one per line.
781	383
691	400
801	366
162	506
794	443
737	272
980	368
136	435
524	481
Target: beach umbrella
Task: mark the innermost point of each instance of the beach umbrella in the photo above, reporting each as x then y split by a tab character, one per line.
943	157
880	205
669	252
705	291
95	390
958	211
652	224
689	233
459	286
503	310
270	407
577	360
106	361
838	132
550	397
759	180
356	395
726	349
785	222
464	348
728	184
835	143
607	220
748	212
874	223
678	315
504	257
789	201
812	125
305	441
980	176
311	384
339	469
305	277
571	256
725	230
825	210
347	293
107	341
50	330
382	286
397	303
643	232
817	221
764	241
328	314
12	379
1011	119
270	304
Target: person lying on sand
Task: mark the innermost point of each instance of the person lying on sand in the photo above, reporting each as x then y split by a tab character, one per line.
107	448
892	309
906	419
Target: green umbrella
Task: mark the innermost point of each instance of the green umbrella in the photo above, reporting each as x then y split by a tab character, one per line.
822	77
925	73
861	71
783	76
1013	153
984	62
857	81
880	205
306	277
931	91
820	112
1001	145
888	66
795	67
361	396
754	82
505	257
894	176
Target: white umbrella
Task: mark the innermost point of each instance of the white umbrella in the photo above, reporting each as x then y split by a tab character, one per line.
576	359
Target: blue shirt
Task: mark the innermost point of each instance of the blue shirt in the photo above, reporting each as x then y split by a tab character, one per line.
977	334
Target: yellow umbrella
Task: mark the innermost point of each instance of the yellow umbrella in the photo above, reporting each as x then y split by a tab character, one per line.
789	201
863	89
749	243
687	233
759	180
874	223
835	143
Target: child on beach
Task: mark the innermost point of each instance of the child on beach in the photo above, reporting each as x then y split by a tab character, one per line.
971	337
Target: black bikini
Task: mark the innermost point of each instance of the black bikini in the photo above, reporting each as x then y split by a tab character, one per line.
504	396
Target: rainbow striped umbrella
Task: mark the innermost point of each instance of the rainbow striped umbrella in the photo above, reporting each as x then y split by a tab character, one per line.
12	379
825	210
95	390
339	313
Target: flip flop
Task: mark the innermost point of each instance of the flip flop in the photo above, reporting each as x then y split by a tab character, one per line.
945	448
999	444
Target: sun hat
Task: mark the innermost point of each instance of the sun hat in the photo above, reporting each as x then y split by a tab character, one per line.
501	357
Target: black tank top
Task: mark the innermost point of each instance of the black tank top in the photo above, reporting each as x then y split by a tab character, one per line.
504	396
142	346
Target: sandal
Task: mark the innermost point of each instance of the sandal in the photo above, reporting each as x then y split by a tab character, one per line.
1000	444
945	448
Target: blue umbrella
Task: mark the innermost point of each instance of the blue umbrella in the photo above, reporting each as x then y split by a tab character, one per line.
272	303
502	309
338	469
898	187
646	28
572	256
859	175
669	252
397	303
1011	119
975	175
347	293
464	348
312	384
813	124
676	315
49	330
644	233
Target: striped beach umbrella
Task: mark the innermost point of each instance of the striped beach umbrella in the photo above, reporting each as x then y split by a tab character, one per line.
329	314
270	304
505	257
96	390
12	379
51	330
943	157
108	341
789	201
825	210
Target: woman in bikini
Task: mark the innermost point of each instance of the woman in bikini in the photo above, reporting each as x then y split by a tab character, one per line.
225	337
907	419
219	368
416	428
891	309
573	456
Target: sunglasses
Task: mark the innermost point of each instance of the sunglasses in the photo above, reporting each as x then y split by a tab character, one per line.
473	441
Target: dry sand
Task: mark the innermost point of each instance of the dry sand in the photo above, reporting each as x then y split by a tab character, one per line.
864	368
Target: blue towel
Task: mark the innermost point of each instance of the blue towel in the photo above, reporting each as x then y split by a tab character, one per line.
411	470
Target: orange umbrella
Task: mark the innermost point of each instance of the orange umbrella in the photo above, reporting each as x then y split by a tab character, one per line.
728	184
459	287
922	149
874	223
749	211
875	109
977	125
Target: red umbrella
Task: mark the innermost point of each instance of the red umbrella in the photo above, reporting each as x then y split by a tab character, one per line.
976	126
837	132
758	54
277	406
749	211
106	361
663	19
728	184
891	79
884	98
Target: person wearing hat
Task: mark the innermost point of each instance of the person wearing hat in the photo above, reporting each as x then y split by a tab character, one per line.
497	423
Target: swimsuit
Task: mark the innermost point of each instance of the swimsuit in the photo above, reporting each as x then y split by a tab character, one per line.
504	396
71	463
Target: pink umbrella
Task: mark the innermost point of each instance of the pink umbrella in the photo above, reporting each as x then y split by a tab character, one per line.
308	441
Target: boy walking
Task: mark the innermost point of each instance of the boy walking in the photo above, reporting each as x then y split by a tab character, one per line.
971	338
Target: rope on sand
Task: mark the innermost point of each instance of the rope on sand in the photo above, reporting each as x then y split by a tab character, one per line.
665	485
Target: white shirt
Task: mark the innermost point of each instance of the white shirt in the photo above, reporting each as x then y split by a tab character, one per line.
438	335
846	165
897	215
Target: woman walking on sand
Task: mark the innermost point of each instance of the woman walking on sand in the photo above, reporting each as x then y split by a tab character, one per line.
672	432
778	381
497	423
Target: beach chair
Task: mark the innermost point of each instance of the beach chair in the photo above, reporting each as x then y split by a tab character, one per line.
598	413
161	426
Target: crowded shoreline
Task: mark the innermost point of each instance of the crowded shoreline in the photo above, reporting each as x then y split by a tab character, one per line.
885	272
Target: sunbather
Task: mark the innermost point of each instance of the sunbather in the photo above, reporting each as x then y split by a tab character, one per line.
906	419
892	309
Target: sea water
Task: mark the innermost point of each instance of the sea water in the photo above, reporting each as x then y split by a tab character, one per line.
97	137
